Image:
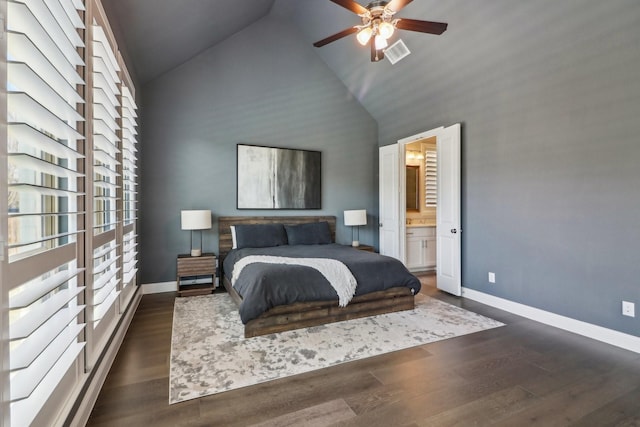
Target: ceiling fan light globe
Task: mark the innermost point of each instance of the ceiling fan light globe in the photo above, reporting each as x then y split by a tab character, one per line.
380	42
364	35
386	29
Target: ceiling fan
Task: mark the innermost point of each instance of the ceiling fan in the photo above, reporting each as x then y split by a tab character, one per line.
378	24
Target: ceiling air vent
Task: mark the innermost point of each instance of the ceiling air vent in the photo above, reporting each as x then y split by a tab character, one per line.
396	51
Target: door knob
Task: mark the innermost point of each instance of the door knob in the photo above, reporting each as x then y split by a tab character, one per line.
454	231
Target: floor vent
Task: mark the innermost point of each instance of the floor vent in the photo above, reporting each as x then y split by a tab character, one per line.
397	51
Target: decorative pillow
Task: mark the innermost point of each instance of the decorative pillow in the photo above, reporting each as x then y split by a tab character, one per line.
312	233
259	235
234	242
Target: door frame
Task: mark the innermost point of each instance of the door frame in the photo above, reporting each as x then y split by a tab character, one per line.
402	160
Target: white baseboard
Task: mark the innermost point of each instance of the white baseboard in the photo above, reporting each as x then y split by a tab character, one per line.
157	288
609	336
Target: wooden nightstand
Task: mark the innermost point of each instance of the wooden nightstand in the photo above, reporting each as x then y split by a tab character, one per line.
365	248
189	266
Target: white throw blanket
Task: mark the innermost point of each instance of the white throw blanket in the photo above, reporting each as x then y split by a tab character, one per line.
336	273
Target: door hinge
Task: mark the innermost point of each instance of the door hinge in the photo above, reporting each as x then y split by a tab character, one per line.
1	248
3	29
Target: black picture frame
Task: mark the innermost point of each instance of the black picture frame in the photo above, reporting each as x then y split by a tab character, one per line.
275	178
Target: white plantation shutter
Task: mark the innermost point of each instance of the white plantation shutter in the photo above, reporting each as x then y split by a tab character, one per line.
43	145
431	178
105	280
107	272
129	155
44	328
129	192
129	263
69	274
106	84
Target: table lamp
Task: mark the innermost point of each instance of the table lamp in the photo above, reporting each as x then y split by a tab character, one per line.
195	220
354	219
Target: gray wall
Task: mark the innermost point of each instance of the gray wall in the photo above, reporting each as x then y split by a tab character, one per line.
549	99
262	86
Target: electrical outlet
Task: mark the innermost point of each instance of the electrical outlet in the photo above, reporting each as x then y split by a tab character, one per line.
628	309
492	277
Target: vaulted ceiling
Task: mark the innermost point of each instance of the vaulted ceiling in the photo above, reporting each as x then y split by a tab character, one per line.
490	50
160	35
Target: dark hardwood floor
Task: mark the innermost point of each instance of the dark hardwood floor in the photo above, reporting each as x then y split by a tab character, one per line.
522	374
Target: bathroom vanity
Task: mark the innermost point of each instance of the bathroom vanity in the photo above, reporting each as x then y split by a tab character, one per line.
421	248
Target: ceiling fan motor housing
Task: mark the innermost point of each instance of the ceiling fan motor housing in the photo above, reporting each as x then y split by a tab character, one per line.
377	4
377	10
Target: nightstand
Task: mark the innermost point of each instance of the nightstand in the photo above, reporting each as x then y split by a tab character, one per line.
364	248
190	266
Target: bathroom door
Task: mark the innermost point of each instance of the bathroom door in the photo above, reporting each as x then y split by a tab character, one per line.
449	271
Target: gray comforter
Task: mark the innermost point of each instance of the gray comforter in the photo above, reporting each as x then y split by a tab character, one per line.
263	286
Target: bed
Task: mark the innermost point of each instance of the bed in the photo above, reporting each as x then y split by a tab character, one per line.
392	288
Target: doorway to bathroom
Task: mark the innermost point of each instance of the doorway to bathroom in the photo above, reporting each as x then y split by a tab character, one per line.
408	207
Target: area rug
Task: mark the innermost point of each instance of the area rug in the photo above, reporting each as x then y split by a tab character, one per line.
209	353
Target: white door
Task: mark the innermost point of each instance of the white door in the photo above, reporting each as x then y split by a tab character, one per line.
448	263
389	202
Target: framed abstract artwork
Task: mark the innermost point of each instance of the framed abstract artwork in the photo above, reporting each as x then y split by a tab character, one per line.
278	178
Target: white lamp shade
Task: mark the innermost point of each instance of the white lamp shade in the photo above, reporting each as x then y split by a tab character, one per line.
195	220
355	217
386	29
364	35
380	42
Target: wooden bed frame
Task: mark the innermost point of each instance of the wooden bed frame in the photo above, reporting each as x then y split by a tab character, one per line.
313	313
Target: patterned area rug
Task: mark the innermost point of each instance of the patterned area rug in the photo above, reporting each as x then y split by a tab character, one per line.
209	353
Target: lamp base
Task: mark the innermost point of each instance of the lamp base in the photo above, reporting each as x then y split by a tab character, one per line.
355	243
196	252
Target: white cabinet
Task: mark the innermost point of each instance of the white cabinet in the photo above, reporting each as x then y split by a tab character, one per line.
415	252
421	248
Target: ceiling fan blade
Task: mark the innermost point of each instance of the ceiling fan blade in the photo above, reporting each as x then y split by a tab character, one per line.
335	37
354	7
376	55
396	5
421	26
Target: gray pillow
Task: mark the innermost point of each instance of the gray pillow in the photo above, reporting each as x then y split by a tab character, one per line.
312	233
259	235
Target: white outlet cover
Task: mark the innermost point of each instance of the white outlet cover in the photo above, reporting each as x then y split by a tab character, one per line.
628	309
492	277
